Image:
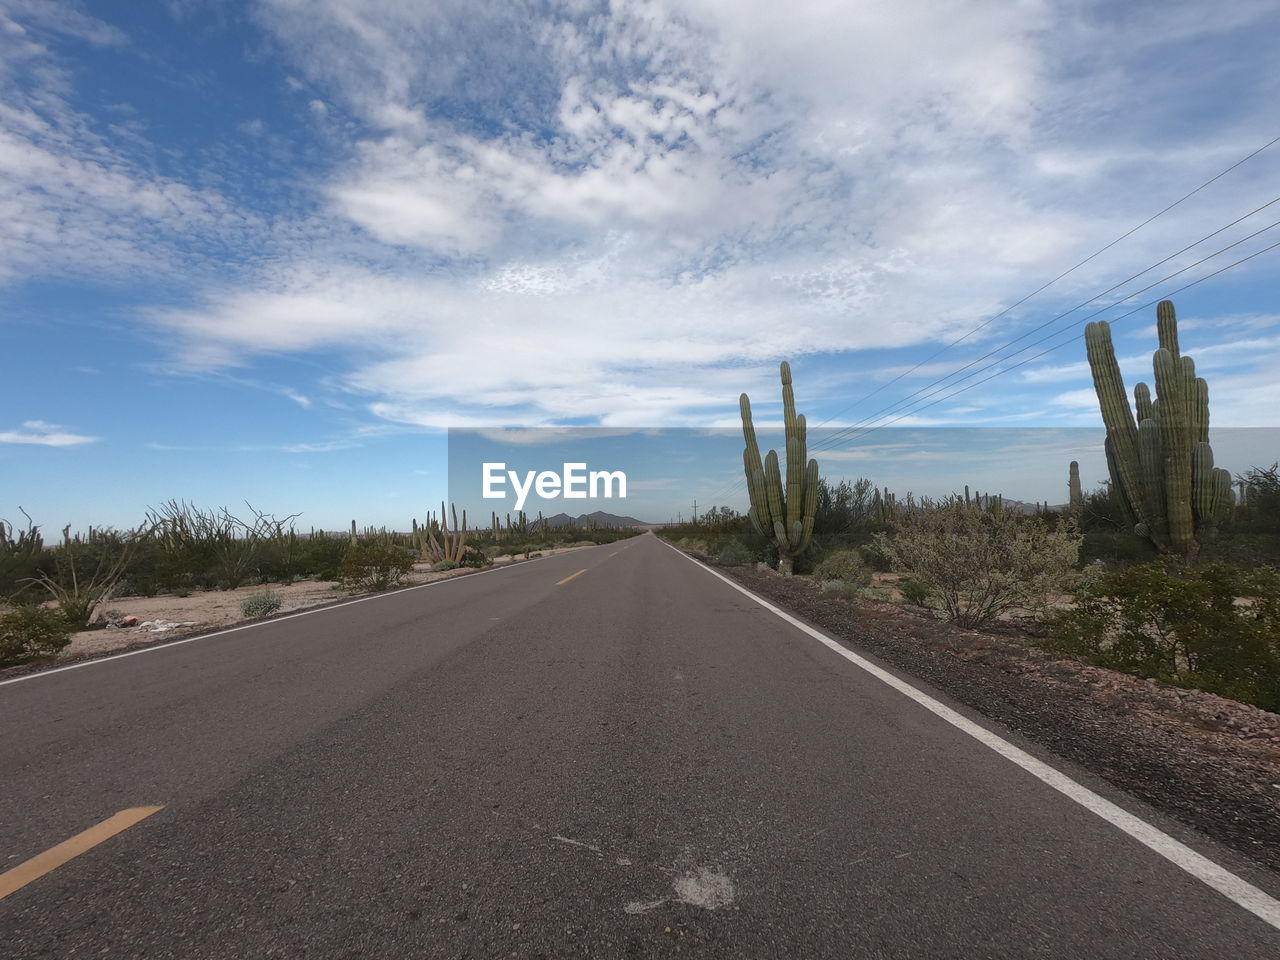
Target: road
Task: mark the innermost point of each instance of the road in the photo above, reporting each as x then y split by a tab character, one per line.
637	760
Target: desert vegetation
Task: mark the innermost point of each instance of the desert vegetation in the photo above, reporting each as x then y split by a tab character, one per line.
50	590
1166	570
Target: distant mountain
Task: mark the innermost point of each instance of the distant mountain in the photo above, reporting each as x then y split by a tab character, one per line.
599	518
1021	506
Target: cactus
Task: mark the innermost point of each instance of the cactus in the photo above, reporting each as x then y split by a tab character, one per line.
1075	496
1160	463
451	544
783	511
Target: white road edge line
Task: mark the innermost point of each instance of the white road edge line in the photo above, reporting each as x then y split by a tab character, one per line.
1239	891
263	623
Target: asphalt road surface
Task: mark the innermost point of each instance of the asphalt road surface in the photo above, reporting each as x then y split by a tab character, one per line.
635	761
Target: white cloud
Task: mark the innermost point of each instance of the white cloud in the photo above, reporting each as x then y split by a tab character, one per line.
73	199
44	434
628	212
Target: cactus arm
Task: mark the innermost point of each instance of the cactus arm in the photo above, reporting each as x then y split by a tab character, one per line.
1200	410
1151	462
1225	500
810	508
1204	484
1117	488
773	491
1142	403
1122	431
1175	436
1167	326
753	467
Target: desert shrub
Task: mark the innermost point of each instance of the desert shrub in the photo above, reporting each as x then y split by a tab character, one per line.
29	631
1214	627
841	588
694	544
475	558
444	565
215	544
321	556
85	571
1116	546
913	591
21	553
261	604
734	553
846	566
374	566
842	509
1260	510
978	564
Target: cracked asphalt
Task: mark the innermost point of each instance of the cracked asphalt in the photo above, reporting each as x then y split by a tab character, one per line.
637	762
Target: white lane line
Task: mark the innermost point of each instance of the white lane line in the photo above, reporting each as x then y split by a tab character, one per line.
1234	888
264	623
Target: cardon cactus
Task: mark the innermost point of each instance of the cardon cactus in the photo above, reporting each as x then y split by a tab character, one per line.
781	510
1075	496
1161	464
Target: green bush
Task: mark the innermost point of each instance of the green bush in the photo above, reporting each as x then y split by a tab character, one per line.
375	566
30	631
475	559
322	555
1213	627
978	564
444	565
1116	546
22	556
913	591
261	604
734	553
846	566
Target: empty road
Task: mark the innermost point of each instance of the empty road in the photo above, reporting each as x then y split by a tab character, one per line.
606	753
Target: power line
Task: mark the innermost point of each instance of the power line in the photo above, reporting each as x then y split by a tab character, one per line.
1071	339
868	424
1050	283
835	438
1045	286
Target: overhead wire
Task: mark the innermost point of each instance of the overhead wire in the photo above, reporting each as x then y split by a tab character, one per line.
844	432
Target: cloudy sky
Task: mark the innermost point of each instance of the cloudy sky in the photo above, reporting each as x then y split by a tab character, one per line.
271	250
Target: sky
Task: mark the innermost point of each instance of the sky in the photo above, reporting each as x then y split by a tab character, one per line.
273	250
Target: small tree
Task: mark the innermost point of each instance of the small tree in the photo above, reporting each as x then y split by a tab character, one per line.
978	564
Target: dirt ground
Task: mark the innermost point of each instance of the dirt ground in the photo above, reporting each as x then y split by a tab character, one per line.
166	617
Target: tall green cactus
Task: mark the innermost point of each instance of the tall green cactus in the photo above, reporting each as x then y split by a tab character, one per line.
1075	496
783	511
1161	464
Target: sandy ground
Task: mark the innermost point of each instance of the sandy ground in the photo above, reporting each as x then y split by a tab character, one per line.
221	608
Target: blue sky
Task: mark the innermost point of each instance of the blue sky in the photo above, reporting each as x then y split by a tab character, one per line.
272	250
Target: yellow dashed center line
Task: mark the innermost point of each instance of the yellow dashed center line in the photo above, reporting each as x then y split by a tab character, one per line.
51	859
571	576
614	554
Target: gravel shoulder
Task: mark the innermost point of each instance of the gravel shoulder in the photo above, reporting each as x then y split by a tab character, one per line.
1209	762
